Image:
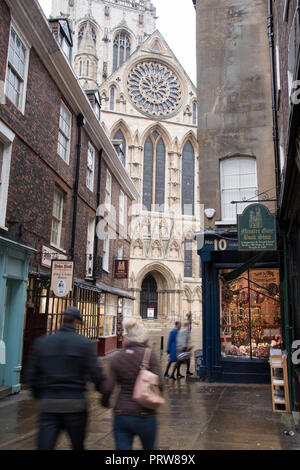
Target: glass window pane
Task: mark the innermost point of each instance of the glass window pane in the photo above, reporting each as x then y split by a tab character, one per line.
250	314
160	176
187	182
148	174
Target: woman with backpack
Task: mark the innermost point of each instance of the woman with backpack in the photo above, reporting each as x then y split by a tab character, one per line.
130	417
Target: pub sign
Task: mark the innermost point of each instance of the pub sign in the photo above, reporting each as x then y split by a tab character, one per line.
257	229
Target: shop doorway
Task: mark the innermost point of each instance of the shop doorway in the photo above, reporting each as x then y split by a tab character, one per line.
9	332
149	298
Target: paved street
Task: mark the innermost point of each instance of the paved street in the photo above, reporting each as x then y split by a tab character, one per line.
196	416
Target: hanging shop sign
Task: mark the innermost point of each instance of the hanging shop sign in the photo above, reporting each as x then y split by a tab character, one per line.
49	254
62	276
257	229
121	269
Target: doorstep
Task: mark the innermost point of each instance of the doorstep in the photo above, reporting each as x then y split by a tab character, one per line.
5	392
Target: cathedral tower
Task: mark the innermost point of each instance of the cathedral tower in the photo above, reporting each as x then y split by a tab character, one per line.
105	33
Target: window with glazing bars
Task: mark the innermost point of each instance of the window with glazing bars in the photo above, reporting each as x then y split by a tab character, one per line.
16	69
57	218
90	167
154	173
64	134
122	49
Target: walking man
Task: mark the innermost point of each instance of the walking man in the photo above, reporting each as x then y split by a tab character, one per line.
59	366
171	349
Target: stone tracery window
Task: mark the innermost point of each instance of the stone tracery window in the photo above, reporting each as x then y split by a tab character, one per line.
154	88
82	31
187	180
122	153
154	173
122	49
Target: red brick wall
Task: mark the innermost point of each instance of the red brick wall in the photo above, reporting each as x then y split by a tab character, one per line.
108	278
36	168
4	37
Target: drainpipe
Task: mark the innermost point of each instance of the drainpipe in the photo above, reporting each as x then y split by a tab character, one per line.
80	124
98	204
274	104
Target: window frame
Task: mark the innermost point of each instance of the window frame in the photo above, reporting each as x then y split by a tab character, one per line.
90	245
90	177
9	65
7	138
61	132
222	163
108	190
105	254
122	208
58	245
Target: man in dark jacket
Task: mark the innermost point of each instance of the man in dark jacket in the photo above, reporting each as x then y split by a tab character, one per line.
59	366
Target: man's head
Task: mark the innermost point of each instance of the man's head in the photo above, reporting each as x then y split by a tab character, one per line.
186	324
178	325
72	317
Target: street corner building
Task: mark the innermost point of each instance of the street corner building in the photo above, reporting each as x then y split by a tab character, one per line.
57	168
237	168
149	110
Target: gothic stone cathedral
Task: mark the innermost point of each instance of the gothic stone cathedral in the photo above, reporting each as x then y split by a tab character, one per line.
149	110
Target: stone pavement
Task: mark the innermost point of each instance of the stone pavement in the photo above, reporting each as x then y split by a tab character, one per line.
196	416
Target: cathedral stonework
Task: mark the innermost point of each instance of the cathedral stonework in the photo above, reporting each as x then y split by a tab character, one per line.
149	108
154	89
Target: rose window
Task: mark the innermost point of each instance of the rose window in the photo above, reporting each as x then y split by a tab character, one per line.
154	88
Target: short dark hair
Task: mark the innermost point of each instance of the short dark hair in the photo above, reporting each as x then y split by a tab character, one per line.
177	323
68	319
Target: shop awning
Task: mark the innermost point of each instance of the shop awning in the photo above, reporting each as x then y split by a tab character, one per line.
228	277
113	290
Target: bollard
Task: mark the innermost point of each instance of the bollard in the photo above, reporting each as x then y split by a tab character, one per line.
161	343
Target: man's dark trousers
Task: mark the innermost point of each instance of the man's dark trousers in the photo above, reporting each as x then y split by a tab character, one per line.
51	424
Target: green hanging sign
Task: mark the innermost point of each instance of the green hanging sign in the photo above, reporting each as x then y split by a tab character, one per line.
257	229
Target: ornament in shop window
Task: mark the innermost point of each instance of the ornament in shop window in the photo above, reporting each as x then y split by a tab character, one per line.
227	296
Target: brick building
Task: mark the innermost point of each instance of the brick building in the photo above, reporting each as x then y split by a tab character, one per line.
284	21
64	192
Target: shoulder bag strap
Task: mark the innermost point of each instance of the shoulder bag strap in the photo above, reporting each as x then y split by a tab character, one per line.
146	359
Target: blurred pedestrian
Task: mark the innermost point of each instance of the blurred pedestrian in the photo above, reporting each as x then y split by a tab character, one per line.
130	418
171	349
189	319
183	346
57	372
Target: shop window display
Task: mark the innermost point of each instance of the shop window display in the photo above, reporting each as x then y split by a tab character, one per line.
250	314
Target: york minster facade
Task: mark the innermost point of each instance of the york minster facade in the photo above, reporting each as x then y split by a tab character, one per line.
149	110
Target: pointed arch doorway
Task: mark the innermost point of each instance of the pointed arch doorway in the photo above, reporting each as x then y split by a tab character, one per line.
149	297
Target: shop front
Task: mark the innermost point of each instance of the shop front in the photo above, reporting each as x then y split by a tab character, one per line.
115	306
241	317
102	312
14	264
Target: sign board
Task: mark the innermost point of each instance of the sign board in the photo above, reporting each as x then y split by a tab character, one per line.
150	312
257	229
62	273
49	254
121	269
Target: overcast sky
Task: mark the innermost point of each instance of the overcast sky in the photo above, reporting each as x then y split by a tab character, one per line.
177	24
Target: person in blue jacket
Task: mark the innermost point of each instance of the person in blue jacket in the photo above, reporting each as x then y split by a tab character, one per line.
171	349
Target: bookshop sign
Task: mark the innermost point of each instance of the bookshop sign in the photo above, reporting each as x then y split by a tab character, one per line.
257	229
